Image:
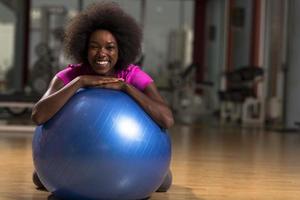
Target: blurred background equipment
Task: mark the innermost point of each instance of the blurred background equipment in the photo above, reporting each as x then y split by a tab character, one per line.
185	50
241	102
21	84
49	50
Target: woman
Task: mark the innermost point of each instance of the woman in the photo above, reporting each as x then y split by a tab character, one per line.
104	41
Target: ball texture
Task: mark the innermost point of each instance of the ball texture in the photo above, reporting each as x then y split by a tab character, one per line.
101	145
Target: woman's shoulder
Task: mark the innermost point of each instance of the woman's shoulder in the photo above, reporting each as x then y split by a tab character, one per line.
135	76
70	72
132	68
74	66
127	72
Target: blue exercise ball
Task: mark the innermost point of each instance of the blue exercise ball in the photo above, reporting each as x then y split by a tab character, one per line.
101	145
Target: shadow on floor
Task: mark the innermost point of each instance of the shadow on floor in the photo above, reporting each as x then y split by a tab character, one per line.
176	192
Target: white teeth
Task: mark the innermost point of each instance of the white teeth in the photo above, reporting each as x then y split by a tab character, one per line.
102	62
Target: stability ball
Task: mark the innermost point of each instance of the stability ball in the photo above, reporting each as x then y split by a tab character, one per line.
101	145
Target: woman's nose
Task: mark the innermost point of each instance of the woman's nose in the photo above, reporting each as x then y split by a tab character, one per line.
101	51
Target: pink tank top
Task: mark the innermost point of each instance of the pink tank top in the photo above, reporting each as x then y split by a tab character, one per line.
132	75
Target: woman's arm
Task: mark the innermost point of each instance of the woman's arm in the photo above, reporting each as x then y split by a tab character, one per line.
54	98
150	100
153	104
58	94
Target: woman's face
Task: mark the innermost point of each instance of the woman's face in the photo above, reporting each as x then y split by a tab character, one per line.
102	52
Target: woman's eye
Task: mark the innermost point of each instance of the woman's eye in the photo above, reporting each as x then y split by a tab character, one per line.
92	46
110	48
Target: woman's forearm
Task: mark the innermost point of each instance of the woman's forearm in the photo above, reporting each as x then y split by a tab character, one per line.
158	110
49	105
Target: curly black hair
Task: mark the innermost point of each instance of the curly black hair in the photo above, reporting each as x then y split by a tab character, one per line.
106	16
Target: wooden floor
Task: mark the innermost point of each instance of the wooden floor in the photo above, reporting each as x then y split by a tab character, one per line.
208	163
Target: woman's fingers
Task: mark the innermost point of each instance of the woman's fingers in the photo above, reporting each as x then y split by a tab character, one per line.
109	80
90	80
112	85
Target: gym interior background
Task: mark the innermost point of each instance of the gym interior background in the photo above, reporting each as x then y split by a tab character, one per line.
234	61
220	64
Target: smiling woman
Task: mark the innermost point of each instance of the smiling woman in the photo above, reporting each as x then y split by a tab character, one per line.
104	41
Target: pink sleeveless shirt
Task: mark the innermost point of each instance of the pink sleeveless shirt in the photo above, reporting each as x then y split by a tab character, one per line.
132	75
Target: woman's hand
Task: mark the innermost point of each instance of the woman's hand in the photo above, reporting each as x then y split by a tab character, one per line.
119	85
102	82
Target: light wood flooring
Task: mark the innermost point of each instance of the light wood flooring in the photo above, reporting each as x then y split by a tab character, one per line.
208	163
